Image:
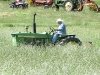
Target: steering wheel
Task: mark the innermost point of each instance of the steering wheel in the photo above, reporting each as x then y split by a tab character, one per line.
52	30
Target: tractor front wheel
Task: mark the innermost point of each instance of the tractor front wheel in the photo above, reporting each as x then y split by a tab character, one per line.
68	6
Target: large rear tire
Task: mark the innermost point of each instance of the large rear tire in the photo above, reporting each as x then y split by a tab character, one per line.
73	40
68	6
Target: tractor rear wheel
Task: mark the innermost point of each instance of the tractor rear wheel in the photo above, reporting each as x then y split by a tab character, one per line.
68	6
73	40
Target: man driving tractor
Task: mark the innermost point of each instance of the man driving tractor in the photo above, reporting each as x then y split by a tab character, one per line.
59	31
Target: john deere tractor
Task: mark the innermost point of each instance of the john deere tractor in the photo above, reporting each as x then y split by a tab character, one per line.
39	39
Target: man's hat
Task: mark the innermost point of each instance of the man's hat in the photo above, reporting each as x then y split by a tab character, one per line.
59	20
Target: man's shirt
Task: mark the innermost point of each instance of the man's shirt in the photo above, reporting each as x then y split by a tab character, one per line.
61	29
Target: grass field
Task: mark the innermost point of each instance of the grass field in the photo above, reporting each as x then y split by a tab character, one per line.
58	60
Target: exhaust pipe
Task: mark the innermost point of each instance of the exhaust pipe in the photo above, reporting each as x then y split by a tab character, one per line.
34	24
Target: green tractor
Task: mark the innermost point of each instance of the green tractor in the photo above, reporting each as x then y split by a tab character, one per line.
69	5
34	38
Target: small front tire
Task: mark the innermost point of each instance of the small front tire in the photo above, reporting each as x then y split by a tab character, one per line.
68	6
